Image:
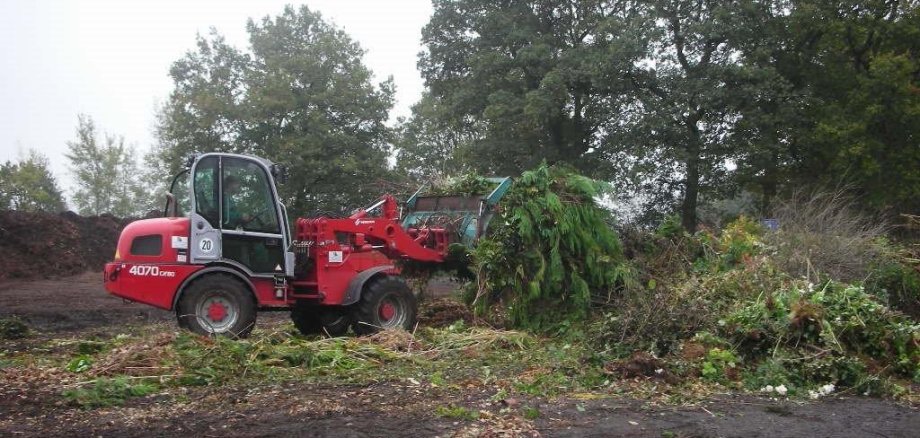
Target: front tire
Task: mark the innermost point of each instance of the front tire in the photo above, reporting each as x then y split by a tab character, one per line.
217	304
387	303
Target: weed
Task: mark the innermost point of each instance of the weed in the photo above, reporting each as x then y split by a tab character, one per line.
824	235
457	412
79	364
530	413
108	392
720	366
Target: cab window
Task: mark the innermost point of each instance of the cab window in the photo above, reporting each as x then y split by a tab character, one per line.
248	203
179	189
205	185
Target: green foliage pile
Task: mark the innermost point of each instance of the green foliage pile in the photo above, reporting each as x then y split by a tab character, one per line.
282	354
214	361
468	184
548	250
895	277
837	334
759	325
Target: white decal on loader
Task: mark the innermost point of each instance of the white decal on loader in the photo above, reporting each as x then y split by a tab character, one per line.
335	256
150	271
179	242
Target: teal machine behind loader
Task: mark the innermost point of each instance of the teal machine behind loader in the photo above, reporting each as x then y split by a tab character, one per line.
468	216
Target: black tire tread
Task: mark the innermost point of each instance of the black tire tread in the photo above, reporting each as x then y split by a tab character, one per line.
374	291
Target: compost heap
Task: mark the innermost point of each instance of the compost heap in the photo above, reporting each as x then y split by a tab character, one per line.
548	251
37	244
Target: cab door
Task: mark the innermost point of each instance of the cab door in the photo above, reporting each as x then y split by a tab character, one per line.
250	222
204	238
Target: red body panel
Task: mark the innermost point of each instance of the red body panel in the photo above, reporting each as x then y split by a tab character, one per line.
151	279
149	284
265	293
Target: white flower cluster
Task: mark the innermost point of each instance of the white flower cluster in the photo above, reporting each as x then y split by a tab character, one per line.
822	391
781	389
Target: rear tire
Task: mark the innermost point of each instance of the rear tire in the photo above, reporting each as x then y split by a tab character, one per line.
217	304
387	302
311	320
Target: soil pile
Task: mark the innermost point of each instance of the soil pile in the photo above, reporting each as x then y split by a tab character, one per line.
43	245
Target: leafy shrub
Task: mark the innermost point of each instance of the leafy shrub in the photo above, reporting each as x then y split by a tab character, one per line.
548	250
740	241
894	278
720	365
13	328
79	364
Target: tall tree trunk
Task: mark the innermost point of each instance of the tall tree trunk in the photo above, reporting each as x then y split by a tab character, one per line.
691	187
692	180
769	184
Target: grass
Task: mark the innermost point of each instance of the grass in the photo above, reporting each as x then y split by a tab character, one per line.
457	412
108	392
108	372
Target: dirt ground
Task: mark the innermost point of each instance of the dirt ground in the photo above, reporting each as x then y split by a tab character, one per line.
78	307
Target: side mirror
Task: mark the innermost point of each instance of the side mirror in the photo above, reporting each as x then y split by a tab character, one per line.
171	205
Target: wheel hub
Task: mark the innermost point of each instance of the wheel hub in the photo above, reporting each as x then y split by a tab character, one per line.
387	311
216	311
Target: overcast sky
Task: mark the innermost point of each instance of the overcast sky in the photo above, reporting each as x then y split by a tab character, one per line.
110	60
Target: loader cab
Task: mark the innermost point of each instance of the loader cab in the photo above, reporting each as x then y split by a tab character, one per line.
235	213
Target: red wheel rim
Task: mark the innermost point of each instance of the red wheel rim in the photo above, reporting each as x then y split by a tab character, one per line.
387	311
216	311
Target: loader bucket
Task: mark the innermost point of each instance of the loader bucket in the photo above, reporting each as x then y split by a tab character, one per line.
466	217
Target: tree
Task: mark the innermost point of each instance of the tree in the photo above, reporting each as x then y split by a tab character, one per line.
28	185
842	107
106	174
532	79
648	89
300	96
428	146
867	126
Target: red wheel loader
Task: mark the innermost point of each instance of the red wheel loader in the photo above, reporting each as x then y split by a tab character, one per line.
225	250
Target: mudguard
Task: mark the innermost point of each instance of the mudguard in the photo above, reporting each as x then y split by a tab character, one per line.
356	285
210	270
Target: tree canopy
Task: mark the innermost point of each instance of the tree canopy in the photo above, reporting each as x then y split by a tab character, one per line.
107	177
300	96
28	185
